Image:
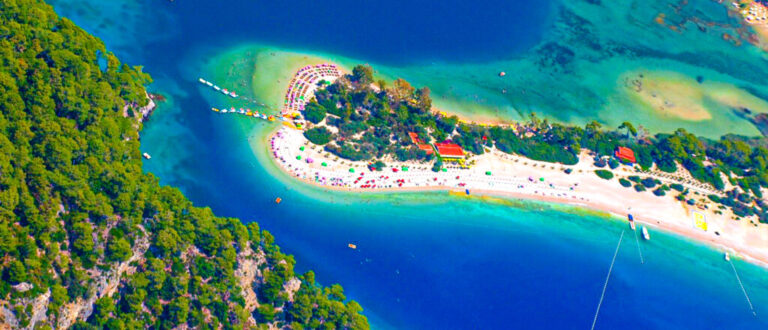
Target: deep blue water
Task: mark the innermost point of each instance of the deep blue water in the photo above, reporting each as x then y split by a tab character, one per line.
423	260
393	31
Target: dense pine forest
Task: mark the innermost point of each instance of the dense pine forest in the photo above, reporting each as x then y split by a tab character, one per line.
90	241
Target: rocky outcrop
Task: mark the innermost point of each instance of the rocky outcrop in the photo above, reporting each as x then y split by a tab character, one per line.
141	113
8	319
247	271
39	309
106	285
22	287
291	286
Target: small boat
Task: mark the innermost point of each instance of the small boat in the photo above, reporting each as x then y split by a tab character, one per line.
210	84
352	246
201	80
216	87
214	109
146	155
278	200
646	236
224	110
233	94
727	257
631	221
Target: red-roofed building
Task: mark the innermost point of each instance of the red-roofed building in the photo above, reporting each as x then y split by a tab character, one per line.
420	143
427	148
449	150
625	154
415	138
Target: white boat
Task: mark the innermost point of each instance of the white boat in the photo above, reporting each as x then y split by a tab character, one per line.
727	257
216	87
147	156
210	84
201	80
645	234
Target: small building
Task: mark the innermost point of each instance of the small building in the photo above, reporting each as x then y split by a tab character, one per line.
427	148
625	155
450	151
420	143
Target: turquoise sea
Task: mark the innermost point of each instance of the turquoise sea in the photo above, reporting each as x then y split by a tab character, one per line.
430	260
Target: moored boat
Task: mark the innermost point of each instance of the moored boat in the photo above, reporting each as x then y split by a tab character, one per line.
214	109
352	246
727	257
631	221
147	156
646	236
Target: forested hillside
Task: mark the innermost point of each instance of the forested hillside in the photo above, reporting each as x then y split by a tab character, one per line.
88	240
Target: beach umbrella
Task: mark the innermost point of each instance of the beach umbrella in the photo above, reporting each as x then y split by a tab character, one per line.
445	170
404	168
541	179
324	164
487	172
298	157
351	170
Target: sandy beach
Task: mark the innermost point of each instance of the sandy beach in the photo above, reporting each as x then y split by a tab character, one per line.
498	174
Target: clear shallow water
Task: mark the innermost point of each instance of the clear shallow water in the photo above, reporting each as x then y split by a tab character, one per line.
572	61
423	260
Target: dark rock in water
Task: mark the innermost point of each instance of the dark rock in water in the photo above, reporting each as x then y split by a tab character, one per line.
553	55
700	79
761	122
